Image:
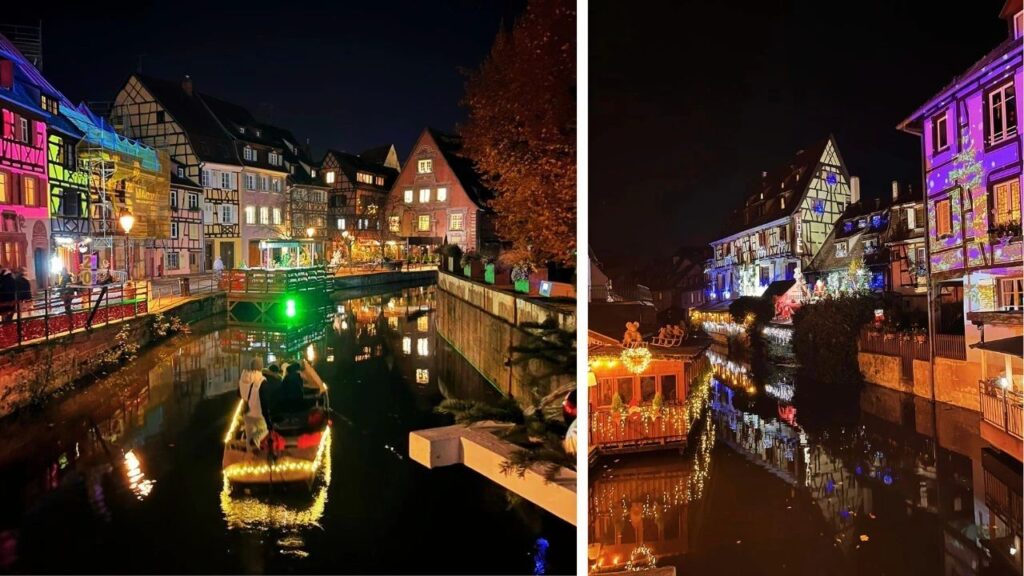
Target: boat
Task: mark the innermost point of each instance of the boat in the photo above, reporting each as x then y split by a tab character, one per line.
294	450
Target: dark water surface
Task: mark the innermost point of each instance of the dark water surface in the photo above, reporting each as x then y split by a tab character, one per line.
125	476
899	486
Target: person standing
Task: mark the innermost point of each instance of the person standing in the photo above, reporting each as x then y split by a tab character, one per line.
7	302
249	389
22	290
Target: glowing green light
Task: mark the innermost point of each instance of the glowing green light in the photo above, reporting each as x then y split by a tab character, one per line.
289	308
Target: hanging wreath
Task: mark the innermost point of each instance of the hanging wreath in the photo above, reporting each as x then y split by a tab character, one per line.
641	558
636	360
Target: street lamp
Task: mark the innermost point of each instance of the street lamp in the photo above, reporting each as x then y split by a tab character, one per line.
127	221
312	247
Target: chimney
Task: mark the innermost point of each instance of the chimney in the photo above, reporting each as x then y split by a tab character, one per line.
895	190
854	189
186	84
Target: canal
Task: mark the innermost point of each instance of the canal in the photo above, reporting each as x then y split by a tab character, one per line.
770	485
124	476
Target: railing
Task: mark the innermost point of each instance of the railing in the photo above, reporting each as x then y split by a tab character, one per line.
1002	408
1001	500
276	281
909	348
610	429
162	292
60	311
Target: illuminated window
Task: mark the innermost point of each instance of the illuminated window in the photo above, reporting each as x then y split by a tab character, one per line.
422	348
455	221
943	217
250	182
940	137
425	195
407	345
275	184
5	197
250	214
841	249
424	166
1002	114
205	178
422	376
394	224
227	215
277	215
249	154
423	223
423	323
30	191
442	194
341	223
378	180
264	215
329	176
1006	203
364	177
1011	293
274	158
408	196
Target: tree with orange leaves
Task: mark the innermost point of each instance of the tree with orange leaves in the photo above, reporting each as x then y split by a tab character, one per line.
521	131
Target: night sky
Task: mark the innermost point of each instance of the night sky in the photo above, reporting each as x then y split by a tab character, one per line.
690	101
347	75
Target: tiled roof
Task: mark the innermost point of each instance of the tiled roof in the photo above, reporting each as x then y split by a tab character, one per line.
471	180
352	163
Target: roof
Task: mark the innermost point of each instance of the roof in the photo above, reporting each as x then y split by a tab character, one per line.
352	163
762	205
1012	346
27	79
182	180
777	288
450	147
210	141
379	155
912	123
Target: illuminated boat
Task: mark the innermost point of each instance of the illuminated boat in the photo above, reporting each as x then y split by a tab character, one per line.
295	449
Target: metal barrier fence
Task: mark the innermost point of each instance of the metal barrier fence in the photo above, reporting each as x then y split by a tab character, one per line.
1002	408
59	311
162	292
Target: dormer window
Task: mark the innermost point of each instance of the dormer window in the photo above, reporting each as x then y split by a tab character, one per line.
181	171
274	158
259	132
862	223
841	249
424	166
249	154
848	227
49	104
241	129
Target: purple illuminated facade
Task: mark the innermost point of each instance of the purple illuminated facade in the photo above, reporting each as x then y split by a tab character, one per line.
971	148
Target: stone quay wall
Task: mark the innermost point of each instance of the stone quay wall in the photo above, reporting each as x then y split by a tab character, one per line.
956	381
34	372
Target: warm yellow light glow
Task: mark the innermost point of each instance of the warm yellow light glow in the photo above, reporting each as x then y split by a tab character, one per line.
127	221
310	231
234	422
310	353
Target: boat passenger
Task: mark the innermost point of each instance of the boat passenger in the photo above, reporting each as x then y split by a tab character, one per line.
291	388
270	391
249	386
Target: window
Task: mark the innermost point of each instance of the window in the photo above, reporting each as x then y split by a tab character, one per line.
329	175
48	104
422	348
1002	114
424	166
668	388
442	194
911	219
274	158
423	376
249	154
264	215
943	217
173	262
423	223
174	229
841	249
250	182
455	221
181	171
648	388
394	223
205	181
424	195
408	196
1011	293
940	137
423	323
1018	24
174	199
1006	203
364	177
193	201
378	180
275	184
263	183
26	124
225	180
227	214
341	223
277	215
625	388
161	116
250	214
30	191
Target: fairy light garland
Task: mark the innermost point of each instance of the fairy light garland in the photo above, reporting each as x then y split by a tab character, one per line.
636	360
641	558
284	465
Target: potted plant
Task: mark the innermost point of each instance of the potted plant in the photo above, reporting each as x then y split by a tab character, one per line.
920	334
521	276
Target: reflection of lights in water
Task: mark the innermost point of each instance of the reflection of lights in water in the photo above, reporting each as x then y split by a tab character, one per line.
540	562
330	357
406	345
310	353
422	376
248	512
137	481
271	358
344	324
783	391
422	347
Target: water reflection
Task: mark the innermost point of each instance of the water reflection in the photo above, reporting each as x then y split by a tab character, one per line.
126	475
907	487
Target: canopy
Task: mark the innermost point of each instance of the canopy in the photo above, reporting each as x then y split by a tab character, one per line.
1012	346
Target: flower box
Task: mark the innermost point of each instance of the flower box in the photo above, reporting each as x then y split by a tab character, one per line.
522	286
489	273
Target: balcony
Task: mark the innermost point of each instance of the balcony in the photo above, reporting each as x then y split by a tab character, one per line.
637	429
1002	408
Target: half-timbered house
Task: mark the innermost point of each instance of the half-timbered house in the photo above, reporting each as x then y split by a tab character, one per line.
183	251
358	203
